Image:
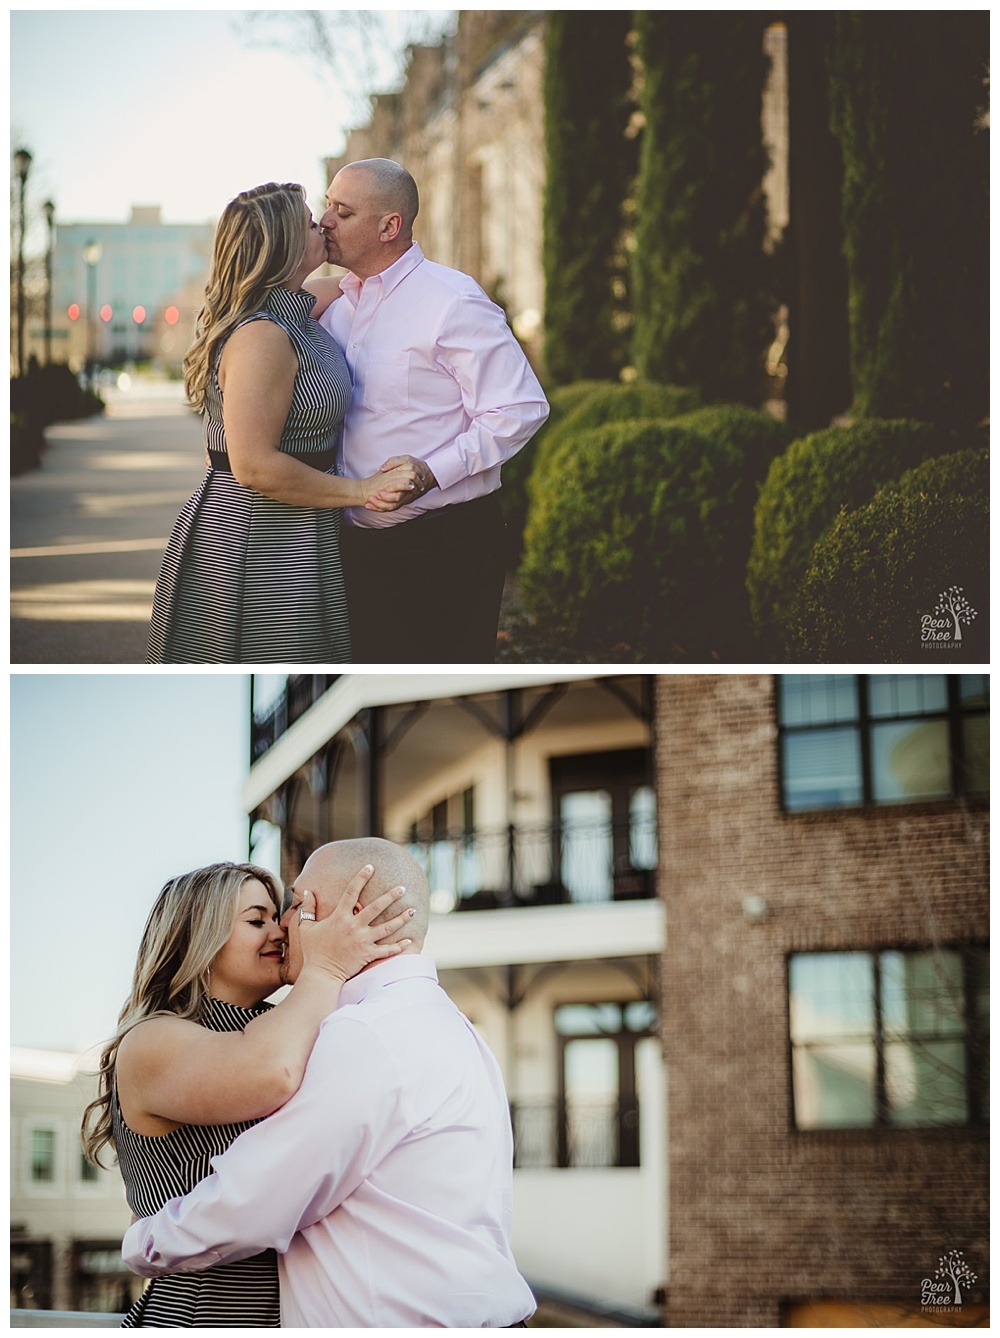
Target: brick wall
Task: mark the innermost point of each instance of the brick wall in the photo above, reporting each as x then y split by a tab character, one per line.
761	1214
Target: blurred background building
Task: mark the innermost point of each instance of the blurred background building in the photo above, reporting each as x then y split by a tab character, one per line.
127	292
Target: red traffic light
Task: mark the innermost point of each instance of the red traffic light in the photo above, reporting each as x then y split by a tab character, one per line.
138	314
171	315
73	311
106	313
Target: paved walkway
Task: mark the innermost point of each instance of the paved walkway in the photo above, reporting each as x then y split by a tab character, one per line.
89	527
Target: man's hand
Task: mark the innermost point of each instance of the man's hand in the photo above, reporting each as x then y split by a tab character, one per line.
425	479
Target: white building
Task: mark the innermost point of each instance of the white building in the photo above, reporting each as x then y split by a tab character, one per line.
67	1218
530	802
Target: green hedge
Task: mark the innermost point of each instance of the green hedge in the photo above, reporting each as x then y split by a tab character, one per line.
627	541
805	488
881	571
515	473
612	403
962	474
26	443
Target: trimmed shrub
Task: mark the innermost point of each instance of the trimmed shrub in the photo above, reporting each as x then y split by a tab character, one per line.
881	580
586	93
962	474
805	488
26	443
614	403
699	272
515	473
624	548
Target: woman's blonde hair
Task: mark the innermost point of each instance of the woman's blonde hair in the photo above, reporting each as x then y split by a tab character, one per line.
259	244
191	921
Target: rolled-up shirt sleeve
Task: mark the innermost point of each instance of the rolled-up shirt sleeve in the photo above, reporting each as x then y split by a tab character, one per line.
289	1171
500	393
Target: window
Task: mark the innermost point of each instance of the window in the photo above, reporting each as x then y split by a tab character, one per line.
847	740
890	1038
43	1157
89	1173
598	1098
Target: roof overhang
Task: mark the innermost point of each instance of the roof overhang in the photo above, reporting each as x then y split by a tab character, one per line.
353	693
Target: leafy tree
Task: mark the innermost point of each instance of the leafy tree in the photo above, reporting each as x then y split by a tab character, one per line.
590	166
702	315
907	93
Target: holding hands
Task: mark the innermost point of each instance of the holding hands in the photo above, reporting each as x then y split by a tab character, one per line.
401	479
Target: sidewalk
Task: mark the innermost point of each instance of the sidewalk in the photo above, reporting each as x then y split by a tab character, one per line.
88	529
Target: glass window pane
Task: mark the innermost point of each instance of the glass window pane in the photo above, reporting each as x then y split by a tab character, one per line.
906	694
88	1171
587	850
976	737
974	689
822	769
832	994
910	761
591	1076
642	828
922	992
43	1156
817	699
640	1016
601	1019
925	1082
834	1086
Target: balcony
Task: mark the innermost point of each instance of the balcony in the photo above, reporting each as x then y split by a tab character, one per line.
269	723
546	864
572	1133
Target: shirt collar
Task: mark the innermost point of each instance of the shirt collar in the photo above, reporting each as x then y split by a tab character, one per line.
405	966
351	285
293	306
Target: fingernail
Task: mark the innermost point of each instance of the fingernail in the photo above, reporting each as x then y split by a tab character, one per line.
405	942
368	868
411	912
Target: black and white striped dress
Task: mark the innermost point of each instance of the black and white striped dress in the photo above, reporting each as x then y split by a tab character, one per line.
156	1169
245	578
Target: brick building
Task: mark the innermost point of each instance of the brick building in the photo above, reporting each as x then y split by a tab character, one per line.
824	988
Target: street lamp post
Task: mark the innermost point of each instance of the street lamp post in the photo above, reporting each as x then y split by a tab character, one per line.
91	255
49	210
22	165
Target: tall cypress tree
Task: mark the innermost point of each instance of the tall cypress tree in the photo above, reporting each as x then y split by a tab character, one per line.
589	171
702	317
907	91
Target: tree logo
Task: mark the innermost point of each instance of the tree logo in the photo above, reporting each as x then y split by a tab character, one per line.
944	1290
942	629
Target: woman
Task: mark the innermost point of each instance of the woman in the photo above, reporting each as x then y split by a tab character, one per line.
198	1057
252	570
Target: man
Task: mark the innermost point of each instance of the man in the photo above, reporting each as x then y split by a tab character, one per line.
438	376
386	1182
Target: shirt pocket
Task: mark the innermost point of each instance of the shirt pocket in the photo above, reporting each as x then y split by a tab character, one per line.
387	382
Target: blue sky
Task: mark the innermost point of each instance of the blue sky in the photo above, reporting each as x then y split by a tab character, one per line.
118	782
186	108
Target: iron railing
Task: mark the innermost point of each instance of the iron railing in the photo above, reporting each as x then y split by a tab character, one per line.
544	864
268	724
573	1133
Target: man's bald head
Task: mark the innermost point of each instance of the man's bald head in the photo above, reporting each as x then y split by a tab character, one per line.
329	869
391	187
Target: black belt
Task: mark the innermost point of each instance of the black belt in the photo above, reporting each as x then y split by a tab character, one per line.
321	460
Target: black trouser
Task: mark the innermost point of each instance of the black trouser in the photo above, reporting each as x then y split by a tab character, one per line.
428	590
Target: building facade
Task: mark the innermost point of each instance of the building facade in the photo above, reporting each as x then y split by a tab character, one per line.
530	804
467	122
127	292
67	1218
825	995
727	935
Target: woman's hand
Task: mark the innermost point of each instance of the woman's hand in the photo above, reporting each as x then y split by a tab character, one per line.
423	481
346	940
392	488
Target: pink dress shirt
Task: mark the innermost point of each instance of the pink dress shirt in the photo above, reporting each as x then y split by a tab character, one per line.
386	1181
437	375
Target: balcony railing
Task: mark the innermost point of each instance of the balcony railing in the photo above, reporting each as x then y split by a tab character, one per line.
546	864
301	691
575	1133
